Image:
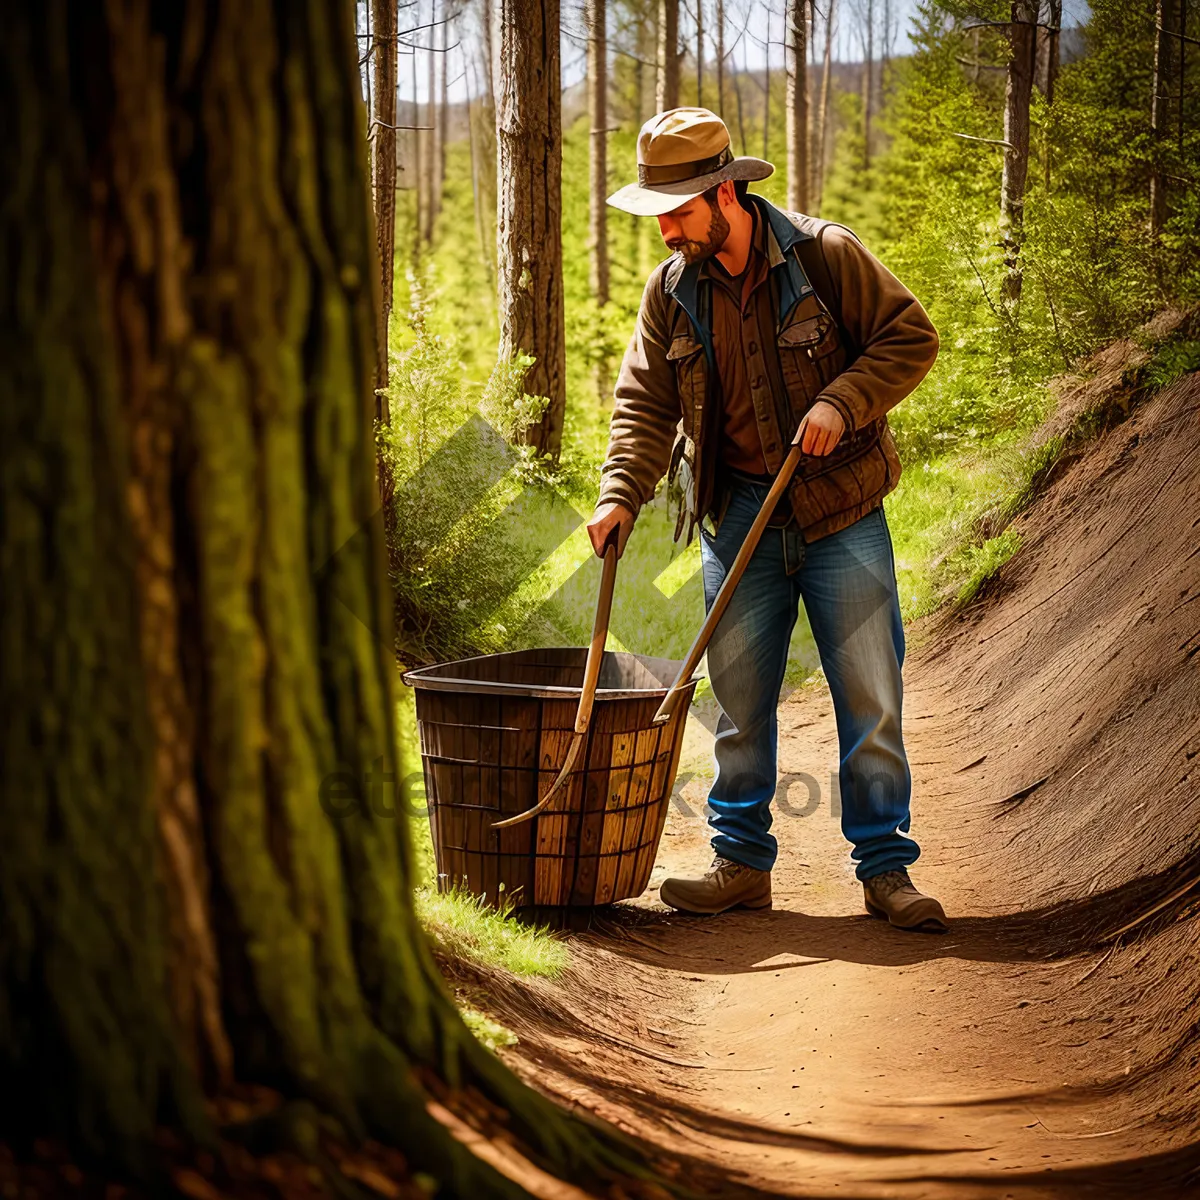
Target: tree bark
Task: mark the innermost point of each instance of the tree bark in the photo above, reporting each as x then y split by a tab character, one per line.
766	138
823	115
797	106
597	68
700	53
479	191
188	506
443	122
486	138
1163	80
417	170
1052	67
1017	92
383	169
868	80
720	17
529	229
737	96
666	93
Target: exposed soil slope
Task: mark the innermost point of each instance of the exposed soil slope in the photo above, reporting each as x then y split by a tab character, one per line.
1050	1044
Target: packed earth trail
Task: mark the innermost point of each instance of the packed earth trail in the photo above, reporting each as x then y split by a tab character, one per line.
1047	1045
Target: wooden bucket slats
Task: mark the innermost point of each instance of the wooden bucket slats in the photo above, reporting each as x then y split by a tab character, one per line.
493	739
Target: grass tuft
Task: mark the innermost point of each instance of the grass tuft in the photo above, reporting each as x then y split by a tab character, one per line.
491	1033
466	927
984	562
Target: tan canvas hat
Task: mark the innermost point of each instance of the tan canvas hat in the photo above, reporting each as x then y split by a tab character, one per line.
681	153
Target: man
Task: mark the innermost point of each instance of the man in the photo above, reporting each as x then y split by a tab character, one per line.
764	329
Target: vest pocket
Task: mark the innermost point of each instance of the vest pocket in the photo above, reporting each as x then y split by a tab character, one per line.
686	355
806	358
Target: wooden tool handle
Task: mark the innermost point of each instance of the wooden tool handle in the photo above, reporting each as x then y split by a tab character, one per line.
591	672
591	676
730	582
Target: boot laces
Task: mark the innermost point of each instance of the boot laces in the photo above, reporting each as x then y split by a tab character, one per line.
887	883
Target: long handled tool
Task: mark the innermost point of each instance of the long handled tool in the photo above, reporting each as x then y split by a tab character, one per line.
591	675
730	582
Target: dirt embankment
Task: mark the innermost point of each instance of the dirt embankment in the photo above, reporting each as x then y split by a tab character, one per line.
1050	1044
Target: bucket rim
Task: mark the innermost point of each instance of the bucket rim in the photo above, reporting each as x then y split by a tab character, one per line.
422	678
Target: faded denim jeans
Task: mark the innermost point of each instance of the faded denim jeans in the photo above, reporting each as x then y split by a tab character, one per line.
847	581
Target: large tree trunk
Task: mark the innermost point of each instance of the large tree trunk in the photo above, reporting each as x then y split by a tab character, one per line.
796	39
529	227
823	107
196	625
700	53
383	169
1017	91
666	93
1163	81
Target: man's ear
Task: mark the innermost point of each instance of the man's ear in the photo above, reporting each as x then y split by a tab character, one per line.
727	193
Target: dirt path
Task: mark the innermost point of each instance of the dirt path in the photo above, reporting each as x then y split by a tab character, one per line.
815	1051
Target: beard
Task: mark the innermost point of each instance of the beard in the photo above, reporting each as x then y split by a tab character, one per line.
718	231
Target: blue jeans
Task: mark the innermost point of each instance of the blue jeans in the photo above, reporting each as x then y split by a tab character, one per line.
848	582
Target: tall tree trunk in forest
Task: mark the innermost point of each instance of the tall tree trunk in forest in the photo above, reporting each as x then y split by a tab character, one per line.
1183	84
766	141
700	53
486	138
443	129
737	96
885	52
868	80
595	17
425	113
597	67
197	626
1163	81
666	93
1017	91
383	168
796	42
720	18
483	228
435	166
823	106
529	225
416	169
1051	78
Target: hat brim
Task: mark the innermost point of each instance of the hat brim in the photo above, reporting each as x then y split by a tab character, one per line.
643	201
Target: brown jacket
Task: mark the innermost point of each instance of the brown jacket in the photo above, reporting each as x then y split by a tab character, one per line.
667	381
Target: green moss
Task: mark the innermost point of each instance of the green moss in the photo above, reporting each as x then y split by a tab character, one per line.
984	562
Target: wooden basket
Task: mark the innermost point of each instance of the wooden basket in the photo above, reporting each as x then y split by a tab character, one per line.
495	732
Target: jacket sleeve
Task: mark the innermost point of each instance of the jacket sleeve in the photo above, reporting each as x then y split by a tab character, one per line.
646	409
897	339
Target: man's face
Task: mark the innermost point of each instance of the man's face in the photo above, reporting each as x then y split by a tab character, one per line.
696	229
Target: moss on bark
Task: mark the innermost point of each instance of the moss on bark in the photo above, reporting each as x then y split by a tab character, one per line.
191	522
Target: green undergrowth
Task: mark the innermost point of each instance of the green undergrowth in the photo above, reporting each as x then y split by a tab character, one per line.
464	929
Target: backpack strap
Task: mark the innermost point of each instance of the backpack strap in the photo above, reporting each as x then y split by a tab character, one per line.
811	252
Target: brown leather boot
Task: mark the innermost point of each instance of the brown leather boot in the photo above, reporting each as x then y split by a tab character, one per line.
726	884
893	897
